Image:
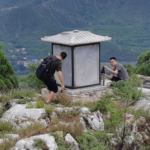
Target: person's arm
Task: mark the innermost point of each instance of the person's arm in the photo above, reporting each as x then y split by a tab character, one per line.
114	72
61	79
109	77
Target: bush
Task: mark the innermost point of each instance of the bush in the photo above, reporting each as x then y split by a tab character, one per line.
143	64
6	71
31	81
89	142
127	90
131	69
18	94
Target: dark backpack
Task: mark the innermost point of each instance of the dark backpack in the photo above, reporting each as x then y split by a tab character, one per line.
43	71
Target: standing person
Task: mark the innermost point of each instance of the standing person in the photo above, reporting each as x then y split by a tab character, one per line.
118	73
51	83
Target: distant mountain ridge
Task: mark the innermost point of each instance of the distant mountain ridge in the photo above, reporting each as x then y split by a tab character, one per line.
23	23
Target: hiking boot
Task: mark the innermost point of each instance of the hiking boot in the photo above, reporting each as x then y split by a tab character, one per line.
49	103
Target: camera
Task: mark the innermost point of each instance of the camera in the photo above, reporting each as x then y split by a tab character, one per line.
103	70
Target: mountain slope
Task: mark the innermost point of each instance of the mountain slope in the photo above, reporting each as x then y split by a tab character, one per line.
23	23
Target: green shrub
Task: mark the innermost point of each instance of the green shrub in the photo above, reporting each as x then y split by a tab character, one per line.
116	117
101	104
39	104
5	126
131	69
39	143
62	145
127	90
49	109
89	142
6	71
31	81
19	94
143	64
140	112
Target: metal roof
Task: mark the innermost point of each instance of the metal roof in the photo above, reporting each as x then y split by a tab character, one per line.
76	37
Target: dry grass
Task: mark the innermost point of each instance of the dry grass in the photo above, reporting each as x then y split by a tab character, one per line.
6	145
33	129
64	100
68	116
5	126
75	129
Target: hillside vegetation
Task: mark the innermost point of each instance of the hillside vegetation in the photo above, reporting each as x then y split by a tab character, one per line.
24	22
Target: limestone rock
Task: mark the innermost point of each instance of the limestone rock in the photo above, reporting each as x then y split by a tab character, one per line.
66	109
95	121
84	110
12	136
19	116
72	142
145	91
129	140
50	140
143	103
141	121
25	144
114	141
3	140
28	142
83	123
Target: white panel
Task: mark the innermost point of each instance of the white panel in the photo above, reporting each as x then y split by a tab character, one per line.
66	64
86	65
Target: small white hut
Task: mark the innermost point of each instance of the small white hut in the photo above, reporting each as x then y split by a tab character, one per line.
82	66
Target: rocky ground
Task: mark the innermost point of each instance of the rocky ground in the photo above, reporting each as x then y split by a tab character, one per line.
28	124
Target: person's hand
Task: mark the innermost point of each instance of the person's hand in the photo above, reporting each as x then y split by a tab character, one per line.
62	87
106	67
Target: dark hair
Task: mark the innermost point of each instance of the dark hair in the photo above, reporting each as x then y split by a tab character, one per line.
63	55
113	58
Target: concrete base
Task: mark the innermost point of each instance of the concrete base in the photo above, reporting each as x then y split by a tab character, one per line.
82	94
84	90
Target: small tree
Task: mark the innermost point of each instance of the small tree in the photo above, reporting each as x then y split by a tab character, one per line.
31	81
8	80
127	92
143	65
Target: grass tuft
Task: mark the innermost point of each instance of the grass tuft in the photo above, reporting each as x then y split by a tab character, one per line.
75	129
40	144
39	104
5	126
49	109
33	129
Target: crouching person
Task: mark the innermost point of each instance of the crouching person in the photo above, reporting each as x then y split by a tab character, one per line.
51	82
118	73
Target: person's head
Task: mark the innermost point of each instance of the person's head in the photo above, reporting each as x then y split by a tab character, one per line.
113	61
63	55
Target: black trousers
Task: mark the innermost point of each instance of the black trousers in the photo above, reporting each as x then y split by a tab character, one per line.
115	79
